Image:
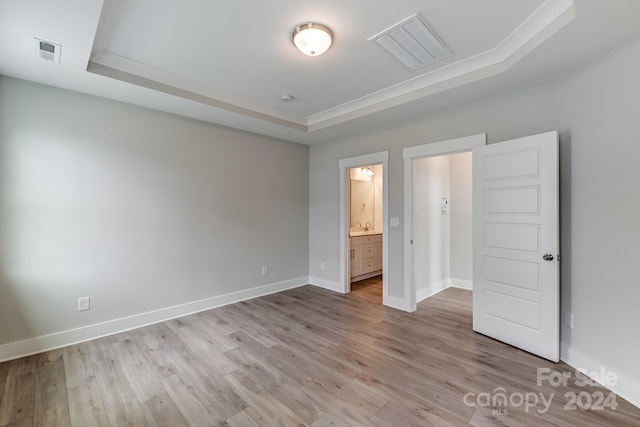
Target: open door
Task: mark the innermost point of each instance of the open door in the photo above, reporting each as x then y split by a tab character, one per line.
515	243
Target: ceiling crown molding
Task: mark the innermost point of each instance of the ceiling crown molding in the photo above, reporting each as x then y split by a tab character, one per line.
543	23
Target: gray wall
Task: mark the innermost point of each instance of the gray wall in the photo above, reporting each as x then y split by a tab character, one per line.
138	209
461	217
431	229
596	112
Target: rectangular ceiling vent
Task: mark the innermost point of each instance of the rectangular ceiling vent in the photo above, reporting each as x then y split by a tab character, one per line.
412	43
47	50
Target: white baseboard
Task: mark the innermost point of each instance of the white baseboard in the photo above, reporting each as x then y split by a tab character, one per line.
40	344
395	302
461	283
625	386
326	284
431	290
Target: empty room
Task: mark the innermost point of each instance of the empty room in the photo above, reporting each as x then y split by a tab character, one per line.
294	213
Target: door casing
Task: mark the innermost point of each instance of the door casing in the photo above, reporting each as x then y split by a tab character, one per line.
345	206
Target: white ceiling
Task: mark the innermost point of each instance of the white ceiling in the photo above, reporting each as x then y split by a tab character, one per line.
229	62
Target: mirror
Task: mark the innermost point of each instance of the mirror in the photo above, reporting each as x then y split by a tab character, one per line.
362	203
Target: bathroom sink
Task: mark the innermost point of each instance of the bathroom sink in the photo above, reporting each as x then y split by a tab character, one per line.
364	233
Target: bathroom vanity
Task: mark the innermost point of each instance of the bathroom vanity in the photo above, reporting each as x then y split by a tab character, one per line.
366	254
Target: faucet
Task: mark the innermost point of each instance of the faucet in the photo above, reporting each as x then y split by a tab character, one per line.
366	227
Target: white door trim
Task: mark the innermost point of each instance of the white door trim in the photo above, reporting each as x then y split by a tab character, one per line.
410	154
345	205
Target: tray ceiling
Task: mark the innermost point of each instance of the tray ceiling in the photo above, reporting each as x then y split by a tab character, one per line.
230	62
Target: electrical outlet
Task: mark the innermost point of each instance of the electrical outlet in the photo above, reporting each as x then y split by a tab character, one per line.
568	319
265	270
84	304
322	265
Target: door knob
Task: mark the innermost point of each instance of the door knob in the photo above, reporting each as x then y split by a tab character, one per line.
547	257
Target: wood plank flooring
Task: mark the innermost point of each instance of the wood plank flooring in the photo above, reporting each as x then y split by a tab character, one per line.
368	289
304	357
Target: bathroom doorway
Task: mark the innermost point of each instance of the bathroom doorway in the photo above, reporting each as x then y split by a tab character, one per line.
365	232
364	226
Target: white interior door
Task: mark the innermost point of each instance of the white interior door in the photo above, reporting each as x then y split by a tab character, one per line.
515	243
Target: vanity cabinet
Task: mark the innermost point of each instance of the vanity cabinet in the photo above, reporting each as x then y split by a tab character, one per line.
366	255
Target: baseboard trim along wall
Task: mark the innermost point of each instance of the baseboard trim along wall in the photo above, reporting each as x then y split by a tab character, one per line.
40	344
326	284
623	386
461	283
435	288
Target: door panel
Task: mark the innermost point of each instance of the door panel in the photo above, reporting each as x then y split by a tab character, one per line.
513	309
521	274
516	164
515	197
514	237
525	200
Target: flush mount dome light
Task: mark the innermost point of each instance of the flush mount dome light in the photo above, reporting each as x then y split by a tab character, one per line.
312	39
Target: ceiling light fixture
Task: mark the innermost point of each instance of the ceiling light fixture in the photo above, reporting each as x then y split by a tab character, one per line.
365	170
312	39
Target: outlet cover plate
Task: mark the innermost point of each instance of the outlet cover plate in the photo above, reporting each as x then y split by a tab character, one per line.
84	303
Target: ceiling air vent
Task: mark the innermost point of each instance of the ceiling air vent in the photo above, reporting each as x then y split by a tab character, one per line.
47	50
412	43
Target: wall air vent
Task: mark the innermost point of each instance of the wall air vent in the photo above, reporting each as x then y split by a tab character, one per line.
47	50
412	43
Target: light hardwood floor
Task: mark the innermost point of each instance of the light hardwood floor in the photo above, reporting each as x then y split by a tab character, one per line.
301	357
368	289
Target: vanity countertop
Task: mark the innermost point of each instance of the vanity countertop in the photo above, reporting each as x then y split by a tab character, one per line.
364	233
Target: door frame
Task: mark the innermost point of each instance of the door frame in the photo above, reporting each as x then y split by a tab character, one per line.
410	155
345	214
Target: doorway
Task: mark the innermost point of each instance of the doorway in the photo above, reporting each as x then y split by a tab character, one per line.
411	156
515	237
442	218
363	242
365	232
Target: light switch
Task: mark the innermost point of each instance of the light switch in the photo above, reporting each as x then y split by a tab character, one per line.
395	222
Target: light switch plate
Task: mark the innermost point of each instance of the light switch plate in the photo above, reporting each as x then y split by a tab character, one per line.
395	222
